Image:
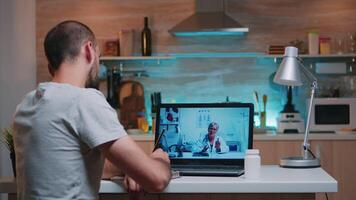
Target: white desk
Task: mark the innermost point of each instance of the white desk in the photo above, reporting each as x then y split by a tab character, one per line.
274	180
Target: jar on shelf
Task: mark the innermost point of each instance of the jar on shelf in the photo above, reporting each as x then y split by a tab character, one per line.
351	43
325	45
313	43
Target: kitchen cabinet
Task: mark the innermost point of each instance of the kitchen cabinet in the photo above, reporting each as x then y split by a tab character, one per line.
334	160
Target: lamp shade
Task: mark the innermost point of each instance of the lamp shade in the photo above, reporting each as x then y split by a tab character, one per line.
288	72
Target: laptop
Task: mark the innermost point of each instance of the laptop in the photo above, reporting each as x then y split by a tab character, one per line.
207	139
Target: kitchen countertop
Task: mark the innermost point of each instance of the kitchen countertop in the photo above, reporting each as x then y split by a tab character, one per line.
274	179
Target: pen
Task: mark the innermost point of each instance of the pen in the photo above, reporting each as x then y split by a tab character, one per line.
158	139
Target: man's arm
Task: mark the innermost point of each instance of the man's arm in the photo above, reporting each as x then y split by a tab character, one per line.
110	170
151	172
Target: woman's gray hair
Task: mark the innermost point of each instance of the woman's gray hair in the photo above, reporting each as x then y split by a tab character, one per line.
212	124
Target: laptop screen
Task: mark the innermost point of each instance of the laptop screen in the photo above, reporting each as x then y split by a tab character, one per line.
209	133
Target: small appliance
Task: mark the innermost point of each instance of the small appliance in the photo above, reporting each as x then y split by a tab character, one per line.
289	120
333	114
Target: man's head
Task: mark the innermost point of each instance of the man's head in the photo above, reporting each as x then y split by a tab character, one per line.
69	40
213	129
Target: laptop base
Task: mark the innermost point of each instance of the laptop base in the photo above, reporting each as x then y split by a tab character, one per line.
211	173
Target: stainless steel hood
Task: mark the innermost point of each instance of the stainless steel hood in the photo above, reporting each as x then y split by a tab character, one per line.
209	19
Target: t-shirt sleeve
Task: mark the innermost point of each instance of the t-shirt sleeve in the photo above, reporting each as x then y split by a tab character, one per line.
98	121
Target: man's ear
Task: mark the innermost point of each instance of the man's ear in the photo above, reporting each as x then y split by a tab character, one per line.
89	52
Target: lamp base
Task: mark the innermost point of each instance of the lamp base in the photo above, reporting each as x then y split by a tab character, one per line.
299	162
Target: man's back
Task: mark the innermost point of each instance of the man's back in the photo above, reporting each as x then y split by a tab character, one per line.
56	132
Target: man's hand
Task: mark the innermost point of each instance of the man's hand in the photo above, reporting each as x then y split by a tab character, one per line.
110	170
160	154
135	191
131	185
152	172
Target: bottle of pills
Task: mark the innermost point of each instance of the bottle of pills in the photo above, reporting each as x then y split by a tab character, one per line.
252	164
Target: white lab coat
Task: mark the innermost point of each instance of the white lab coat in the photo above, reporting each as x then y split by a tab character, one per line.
224	148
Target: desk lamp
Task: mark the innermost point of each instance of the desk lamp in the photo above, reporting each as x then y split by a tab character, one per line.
288	74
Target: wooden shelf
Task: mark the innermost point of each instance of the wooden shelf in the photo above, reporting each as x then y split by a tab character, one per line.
259	55
217	55
312	56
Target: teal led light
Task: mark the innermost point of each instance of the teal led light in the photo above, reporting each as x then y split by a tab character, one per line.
217	55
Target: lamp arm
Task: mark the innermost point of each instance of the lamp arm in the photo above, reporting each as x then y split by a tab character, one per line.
307	73
314	86
306	134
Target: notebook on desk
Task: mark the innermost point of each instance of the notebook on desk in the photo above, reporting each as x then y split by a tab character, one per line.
205	139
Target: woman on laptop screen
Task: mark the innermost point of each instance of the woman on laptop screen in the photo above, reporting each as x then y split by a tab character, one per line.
212	142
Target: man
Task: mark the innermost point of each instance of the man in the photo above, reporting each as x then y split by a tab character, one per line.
211	142
62	129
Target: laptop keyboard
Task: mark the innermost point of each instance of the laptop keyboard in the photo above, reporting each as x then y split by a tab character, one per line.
209	170
207	167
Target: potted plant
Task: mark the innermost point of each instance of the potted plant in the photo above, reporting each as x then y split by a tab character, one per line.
7	138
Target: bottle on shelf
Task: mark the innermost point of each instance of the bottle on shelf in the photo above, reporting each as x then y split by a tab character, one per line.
113	81
146	41
313	43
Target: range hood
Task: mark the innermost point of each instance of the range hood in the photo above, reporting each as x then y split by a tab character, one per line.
209	19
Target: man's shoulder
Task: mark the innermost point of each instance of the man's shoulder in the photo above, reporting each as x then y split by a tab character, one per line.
94	100
89	92
92	96
69	91
26	98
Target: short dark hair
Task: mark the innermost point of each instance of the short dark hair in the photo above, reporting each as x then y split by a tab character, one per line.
63	42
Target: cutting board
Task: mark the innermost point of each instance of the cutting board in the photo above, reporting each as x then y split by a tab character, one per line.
131	103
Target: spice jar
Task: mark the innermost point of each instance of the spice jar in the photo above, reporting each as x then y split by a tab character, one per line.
325	46
313	43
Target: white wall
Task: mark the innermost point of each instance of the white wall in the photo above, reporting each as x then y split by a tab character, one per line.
17	62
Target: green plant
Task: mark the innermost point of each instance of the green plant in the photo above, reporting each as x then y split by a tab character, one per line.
7	138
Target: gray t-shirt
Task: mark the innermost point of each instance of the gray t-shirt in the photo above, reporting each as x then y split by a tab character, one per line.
57	128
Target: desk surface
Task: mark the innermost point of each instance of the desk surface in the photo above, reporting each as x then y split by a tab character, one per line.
273	180
273	136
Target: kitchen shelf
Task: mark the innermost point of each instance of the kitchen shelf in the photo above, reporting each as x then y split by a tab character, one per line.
313	56
217	55
251	55
259	55
113	60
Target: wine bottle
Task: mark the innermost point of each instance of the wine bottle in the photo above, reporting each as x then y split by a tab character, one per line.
146	40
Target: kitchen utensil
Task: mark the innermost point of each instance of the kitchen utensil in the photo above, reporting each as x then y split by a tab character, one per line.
264	99
255	96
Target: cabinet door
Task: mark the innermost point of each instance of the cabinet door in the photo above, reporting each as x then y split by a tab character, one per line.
272	151
337	158
147	146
